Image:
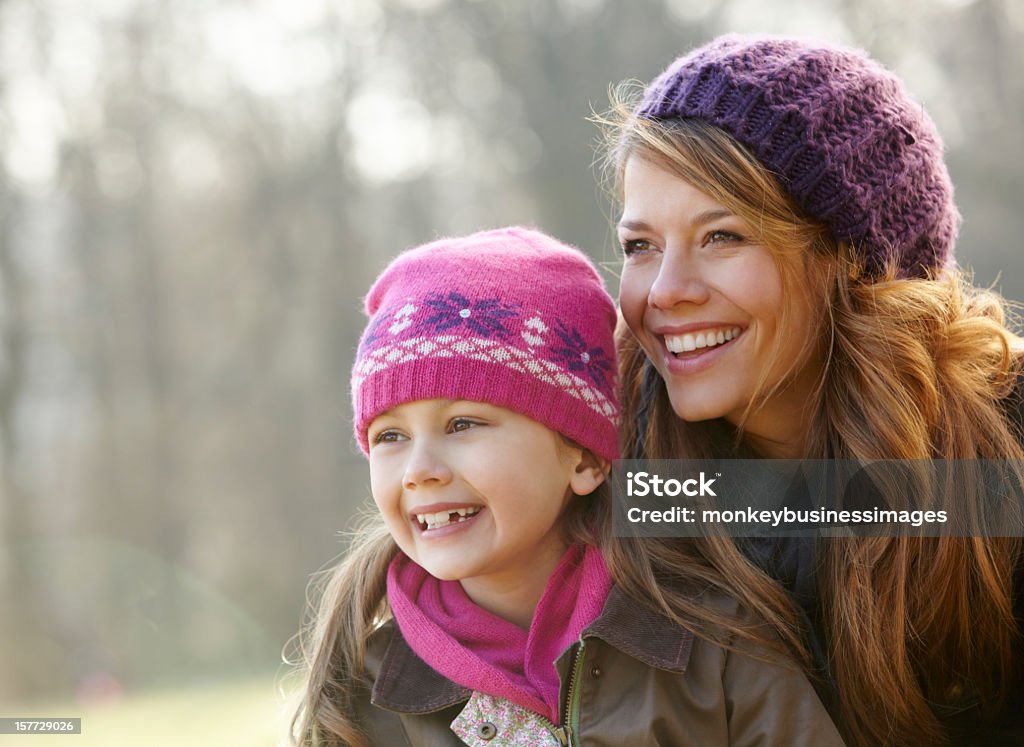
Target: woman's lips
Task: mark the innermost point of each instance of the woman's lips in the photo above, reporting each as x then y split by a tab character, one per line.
684	357
700	339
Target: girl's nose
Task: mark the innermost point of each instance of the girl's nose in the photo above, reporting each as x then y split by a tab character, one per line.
426	466
678	281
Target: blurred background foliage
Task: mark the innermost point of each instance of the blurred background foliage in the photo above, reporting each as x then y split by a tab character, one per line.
194	197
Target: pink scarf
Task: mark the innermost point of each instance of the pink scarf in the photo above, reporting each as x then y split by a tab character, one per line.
483	652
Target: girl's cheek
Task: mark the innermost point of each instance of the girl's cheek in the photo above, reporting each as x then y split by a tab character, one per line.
378	489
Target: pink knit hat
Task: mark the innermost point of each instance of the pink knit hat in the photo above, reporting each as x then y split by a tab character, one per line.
510	317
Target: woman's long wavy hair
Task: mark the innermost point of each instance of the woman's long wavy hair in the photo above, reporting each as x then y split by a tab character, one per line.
912	369
349	602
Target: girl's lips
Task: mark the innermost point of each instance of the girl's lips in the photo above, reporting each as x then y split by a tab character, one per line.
440	519
431	508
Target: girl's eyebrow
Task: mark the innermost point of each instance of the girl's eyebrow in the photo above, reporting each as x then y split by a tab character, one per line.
700	219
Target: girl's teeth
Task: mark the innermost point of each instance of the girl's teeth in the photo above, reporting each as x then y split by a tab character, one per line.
444	518
688	342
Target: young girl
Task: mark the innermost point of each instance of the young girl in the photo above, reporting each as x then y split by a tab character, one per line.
478	610
789	287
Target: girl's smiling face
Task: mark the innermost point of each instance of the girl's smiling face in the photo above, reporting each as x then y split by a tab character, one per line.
706	301
474	492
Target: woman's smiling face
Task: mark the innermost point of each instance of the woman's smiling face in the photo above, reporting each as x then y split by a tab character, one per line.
706	301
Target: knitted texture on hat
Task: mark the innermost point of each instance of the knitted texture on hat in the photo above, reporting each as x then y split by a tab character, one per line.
509	317
840	132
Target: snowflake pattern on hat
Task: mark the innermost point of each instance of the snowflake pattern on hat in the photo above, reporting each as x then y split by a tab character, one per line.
535	330
578	356
403	318
484	316
373	333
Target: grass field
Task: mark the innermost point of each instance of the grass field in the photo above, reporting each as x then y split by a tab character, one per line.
247	713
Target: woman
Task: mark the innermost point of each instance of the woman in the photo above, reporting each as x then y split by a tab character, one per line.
789	290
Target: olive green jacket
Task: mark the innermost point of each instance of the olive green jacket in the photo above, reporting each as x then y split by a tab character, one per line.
634	679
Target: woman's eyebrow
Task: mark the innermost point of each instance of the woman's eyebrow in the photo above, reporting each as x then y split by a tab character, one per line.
700	219
709	215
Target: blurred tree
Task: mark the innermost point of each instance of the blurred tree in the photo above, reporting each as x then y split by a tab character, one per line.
15	523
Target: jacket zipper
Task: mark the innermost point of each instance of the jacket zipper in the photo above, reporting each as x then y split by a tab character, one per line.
570	714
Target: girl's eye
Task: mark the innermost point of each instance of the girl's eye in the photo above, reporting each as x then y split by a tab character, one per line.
631	247
458	425
387	437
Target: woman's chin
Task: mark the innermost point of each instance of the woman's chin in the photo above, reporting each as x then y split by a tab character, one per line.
686	408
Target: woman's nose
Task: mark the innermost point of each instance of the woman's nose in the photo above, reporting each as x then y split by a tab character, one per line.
678	281
426	466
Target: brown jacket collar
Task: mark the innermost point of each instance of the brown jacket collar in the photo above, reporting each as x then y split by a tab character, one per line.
407	684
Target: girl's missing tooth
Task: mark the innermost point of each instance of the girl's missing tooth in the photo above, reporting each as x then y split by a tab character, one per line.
477	608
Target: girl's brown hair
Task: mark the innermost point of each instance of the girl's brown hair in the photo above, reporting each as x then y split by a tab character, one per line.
913	369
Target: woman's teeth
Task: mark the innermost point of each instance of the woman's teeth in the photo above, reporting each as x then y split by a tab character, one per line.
444	518
711	338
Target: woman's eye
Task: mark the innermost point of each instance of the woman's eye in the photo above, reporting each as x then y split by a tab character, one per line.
719	237
635	246
461	424
388	436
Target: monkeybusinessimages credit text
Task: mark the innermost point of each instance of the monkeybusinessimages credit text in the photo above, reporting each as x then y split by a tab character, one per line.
830	497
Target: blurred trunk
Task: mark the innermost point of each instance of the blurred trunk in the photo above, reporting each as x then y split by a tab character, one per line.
16	620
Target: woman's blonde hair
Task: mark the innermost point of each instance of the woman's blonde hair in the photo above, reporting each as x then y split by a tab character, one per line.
913	369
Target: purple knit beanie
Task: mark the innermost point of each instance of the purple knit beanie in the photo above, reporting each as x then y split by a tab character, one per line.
510	317
838	130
